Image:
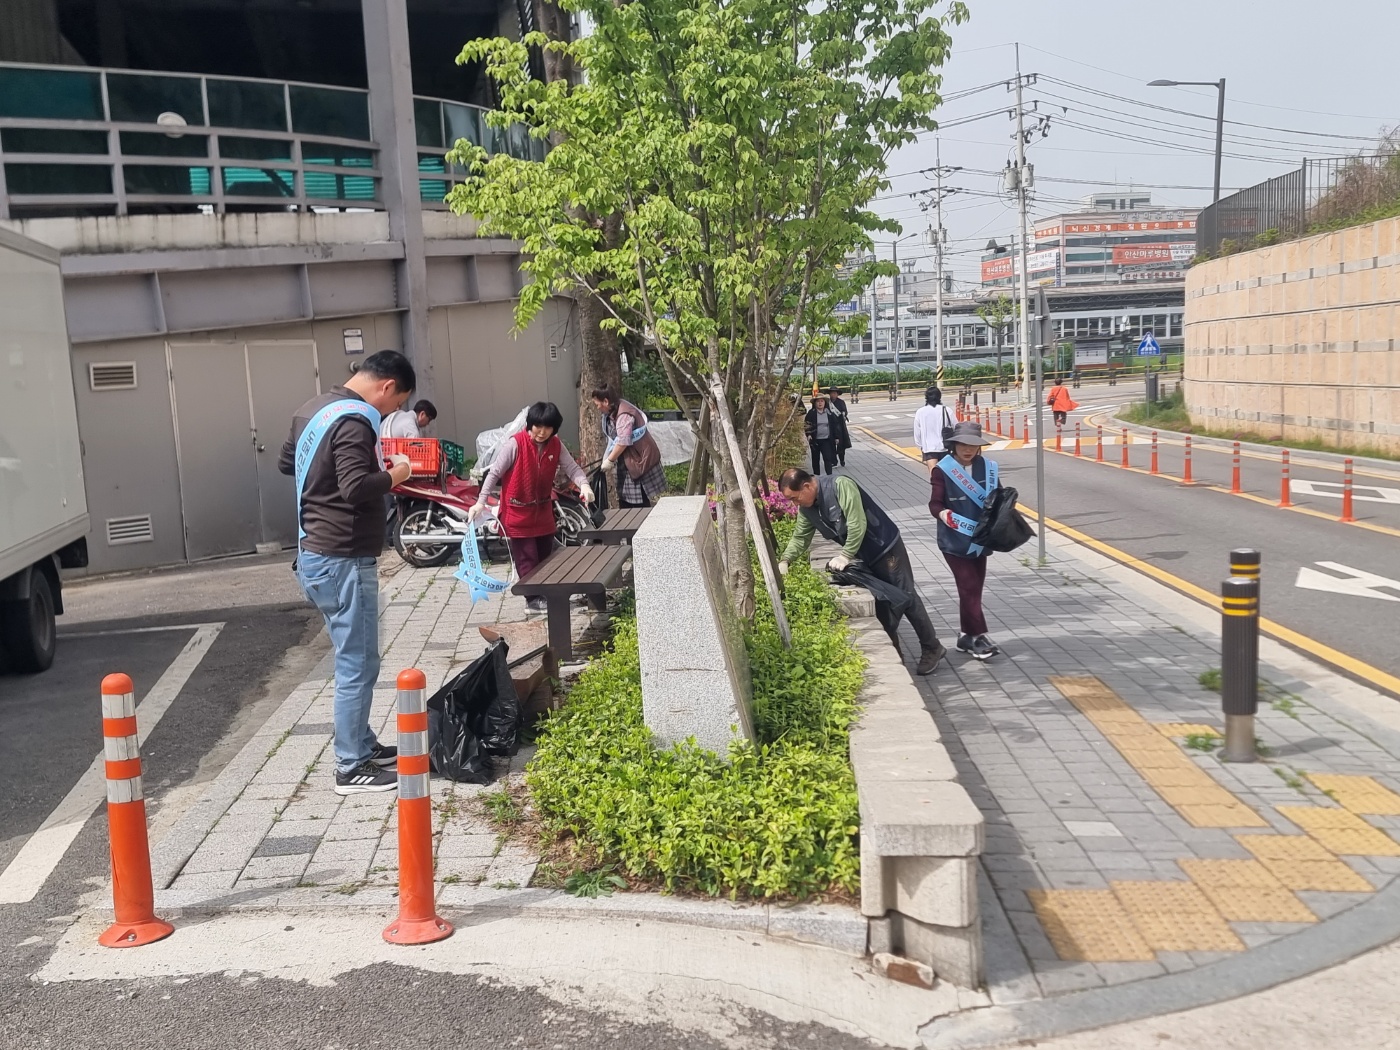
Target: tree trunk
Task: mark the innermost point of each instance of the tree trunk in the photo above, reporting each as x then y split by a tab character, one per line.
738	568
600	367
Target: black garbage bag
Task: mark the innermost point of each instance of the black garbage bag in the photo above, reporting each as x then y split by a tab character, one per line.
1002	527
598	481
474	716
858	574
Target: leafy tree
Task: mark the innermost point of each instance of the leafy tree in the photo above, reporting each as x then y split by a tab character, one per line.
999	314
736	146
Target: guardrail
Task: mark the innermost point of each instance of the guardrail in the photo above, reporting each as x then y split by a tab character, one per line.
113	142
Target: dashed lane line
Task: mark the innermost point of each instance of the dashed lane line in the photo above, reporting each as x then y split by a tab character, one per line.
27	872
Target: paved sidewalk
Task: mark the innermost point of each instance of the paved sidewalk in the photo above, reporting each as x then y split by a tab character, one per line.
1119	847
272	831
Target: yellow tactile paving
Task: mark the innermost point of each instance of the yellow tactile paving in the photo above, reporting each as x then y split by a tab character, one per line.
1176	917
1181	729
1230	814
1358	794
1160	762
1089	926
1342	831
1301	863
1245	891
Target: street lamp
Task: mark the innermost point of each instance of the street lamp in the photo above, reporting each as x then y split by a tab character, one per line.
1219	117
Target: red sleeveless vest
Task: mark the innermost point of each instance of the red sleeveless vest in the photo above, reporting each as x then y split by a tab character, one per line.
527	496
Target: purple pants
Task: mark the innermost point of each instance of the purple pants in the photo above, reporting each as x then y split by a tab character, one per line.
969	574
527	553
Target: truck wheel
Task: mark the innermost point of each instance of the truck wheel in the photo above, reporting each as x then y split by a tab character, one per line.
27	628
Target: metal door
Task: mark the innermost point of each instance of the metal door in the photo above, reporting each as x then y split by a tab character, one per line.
281	378
218	479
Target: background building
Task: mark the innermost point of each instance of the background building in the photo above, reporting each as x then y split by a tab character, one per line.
249	199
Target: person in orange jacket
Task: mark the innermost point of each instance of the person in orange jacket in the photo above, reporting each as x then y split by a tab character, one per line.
1061	404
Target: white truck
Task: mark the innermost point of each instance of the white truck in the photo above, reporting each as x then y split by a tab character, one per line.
43	506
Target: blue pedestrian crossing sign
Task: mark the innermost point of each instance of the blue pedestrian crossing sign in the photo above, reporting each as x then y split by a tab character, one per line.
1149	347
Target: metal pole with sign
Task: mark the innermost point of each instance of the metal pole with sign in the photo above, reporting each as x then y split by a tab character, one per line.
1042	317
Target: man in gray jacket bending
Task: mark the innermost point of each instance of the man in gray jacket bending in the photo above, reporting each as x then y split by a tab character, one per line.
844	513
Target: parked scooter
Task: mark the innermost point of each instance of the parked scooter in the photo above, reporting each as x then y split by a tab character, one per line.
431	519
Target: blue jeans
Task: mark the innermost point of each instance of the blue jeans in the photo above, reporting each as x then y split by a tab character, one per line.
346	591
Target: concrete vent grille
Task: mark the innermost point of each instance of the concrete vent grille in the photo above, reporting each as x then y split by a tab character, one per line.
135	529
112	375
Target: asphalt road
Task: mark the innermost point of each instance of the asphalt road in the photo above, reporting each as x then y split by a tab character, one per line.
1189	532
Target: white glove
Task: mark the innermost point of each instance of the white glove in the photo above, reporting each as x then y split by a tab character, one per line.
838	563
476	510
586	491
947	518
782	568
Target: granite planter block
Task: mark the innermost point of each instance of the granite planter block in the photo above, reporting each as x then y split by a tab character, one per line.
954	952
920	831
695	670
938	890
920	819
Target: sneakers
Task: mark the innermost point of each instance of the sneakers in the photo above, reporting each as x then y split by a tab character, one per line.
929	658
366	777
383	755
979	648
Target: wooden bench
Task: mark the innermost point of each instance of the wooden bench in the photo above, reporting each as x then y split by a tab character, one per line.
572	570
619	526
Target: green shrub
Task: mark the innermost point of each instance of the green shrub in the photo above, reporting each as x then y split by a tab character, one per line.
778	820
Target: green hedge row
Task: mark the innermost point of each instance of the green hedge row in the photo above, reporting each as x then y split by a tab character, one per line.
778	820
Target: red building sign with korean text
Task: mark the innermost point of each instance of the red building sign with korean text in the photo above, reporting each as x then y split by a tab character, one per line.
994	269
1141	254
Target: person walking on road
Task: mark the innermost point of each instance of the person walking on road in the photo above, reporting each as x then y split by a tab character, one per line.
1061	404
640	479
844	513
524	469
961	485
341	483
931	422
825	430
833	395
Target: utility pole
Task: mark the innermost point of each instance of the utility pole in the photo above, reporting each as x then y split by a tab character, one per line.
938	236
1023	182
896	316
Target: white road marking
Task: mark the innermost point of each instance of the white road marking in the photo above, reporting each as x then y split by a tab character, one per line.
1355	582
34	863
1334	489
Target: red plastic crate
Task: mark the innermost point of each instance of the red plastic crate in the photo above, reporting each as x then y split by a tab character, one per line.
424	454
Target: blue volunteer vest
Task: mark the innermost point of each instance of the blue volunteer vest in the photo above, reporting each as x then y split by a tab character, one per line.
315	432
965	493
829	519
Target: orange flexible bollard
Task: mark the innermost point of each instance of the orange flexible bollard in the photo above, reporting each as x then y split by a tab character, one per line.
1026	428
1077	441
998	430
1059	437
1098	454
133	896
1186	470
418	921
1235	470
1285	489
1125	446
1346	491
1153	469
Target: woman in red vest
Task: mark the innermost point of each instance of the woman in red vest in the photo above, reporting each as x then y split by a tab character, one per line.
524	467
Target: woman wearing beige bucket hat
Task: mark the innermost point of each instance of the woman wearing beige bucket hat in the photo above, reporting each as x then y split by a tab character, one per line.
961	486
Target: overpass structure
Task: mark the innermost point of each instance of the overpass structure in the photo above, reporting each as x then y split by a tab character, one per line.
232	244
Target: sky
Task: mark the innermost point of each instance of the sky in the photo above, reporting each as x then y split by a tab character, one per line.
1314	80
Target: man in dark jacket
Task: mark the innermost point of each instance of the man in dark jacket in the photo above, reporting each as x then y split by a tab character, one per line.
340	484
843	512
834	395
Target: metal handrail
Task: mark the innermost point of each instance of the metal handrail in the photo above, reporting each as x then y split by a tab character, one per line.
212	164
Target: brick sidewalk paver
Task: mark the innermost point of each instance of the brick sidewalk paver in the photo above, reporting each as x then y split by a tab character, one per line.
1117	851
287	829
